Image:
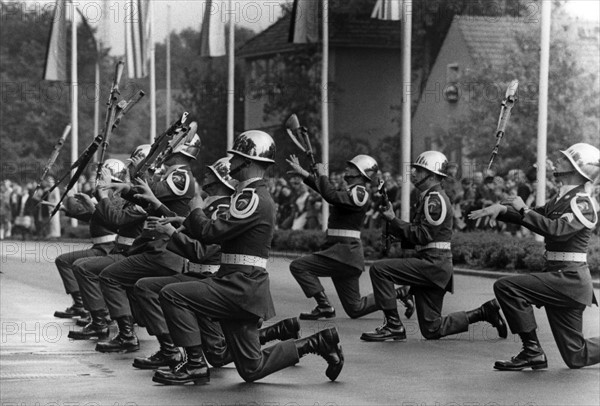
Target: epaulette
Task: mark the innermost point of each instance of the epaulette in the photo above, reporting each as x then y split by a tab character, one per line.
438	204
359	195
583	205
179	181
244	204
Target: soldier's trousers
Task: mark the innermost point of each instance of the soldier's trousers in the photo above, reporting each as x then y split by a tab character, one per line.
184	304
118	278
64	263
308	269
517	294
429	298
86	272
147	293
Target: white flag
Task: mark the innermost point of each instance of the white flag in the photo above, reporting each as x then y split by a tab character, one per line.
213	31
137	34
388	10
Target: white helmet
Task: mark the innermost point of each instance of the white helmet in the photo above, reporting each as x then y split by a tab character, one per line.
117	169
366	165
221	170
255	145
434	161
585	158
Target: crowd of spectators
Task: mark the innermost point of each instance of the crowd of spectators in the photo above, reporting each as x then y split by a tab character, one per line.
298	206
25	210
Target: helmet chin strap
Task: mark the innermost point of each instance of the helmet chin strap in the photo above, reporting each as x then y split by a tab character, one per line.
419	183
239	168
563	174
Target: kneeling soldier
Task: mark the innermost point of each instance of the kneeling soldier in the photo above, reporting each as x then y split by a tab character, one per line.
565	286
430	272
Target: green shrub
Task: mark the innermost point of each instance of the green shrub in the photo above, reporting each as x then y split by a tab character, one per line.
483	250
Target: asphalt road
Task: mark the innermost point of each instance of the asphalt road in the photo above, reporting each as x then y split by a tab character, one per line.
39	365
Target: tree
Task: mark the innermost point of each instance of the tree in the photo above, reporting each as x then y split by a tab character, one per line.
573	105
35	112
204	95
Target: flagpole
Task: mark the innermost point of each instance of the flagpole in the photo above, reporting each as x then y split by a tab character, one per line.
231	77
324	104
540	198
168	46
152	73
406	116
74	99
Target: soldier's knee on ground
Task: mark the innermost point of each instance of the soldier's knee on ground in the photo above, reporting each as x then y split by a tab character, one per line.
430	332
247	373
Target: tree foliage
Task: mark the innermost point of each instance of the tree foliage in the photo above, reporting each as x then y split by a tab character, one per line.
573	105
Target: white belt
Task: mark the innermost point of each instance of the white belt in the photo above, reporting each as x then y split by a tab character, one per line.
209	268
566	256
125	240
104	238
343	233
241	259
437	245
197	268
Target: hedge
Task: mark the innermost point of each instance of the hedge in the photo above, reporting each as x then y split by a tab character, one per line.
481	250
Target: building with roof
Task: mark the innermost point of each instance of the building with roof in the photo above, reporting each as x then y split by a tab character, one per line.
365	66
470	42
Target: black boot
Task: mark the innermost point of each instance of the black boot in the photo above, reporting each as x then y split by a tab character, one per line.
408	300
284	330
76	310
392	329
323	309
490	312
325	343
167	356
531	356
193	369
83	321
125	341
97	328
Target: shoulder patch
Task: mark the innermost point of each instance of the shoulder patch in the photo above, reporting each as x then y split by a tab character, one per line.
359	195
434	206
584	210
244	204
179	182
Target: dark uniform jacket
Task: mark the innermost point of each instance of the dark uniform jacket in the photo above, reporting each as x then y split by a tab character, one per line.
566	223
183	244
431	223
175	189
125	217
98	227
248	230
347	211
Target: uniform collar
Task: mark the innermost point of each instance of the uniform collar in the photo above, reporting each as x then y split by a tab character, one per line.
565	189
246	183
433	187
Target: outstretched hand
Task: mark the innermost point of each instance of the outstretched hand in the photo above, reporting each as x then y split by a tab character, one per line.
296	167
492	211
388	212
144	192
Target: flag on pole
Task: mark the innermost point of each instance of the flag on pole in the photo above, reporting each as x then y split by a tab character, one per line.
213	32
387	10
56	55
137	34
305	22
103	27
